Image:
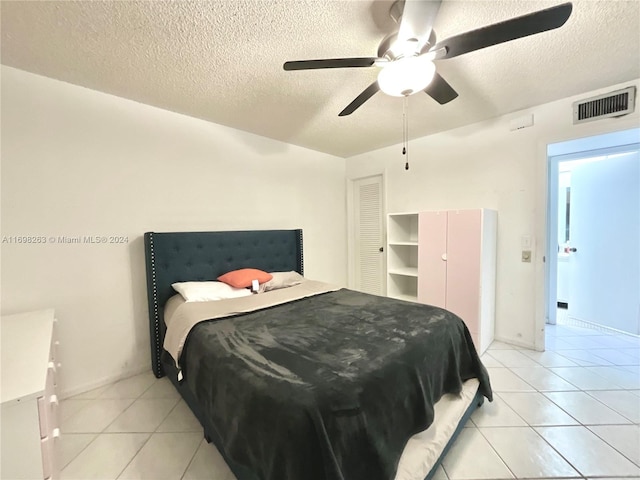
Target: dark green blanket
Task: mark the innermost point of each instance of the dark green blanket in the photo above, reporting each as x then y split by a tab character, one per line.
329	387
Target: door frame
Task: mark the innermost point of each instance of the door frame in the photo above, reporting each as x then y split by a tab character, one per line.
351	267
551	253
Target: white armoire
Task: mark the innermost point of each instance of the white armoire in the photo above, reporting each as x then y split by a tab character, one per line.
447	259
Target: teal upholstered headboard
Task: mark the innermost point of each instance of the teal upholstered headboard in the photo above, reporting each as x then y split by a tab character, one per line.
199	256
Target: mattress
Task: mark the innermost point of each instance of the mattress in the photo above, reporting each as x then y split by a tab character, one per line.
425	448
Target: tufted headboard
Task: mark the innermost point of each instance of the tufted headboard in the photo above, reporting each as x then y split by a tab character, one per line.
199	256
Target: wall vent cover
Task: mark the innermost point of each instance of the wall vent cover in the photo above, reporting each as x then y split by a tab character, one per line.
613	104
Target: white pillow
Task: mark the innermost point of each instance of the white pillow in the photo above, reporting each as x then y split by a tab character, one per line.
282	280
208	291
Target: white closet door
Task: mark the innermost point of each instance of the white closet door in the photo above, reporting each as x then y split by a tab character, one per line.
369	235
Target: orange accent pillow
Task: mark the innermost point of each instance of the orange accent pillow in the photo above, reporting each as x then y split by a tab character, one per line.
242	278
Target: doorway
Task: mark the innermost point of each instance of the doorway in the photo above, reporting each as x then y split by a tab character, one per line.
593	234
367	235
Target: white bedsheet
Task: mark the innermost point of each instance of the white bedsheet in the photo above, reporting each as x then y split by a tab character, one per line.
424	448
171	306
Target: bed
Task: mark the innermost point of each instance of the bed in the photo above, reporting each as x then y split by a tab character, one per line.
346	385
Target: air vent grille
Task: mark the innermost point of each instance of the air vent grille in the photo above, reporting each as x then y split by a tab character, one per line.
614	104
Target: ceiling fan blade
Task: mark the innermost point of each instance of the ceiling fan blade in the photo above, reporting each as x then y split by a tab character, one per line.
330	63
418	17
368	92
508	30
440	90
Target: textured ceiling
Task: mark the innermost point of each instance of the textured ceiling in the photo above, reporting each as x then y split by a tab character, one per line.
222	61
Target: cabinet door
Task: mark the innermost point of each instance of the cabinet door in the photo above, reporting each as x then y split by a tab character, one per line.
463	266
432	268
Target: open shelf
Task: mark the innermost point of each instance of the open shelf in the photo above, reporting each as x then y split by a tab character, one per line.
402	256
403	228
406	271
403	287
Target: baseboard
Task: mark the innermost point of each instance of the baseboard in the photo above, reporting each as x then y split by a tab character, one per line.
576	322
516	343
87	387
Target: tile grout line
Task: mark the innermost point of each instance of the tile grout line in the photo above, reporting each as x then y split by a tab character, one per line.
191	461
151	434
584	426
62	467
504	462
580	424
637	464
574	467
511	408
617	411
143	443
134	455
583	391
505	402
103	432
544	439
82	450
167	416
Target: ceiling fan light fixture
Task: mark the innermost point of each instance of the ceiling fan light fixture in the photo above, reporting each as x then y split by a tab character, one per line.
406	76
403	48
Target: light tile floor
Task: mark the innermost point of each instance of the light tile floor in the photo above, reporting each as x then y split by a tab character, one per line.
570	412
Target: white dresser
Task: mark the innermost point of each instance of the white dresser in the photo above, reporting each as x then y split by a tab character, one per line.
29	404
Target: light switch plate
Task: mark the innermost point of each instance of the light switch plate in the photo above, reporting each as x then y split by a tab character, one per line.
526	256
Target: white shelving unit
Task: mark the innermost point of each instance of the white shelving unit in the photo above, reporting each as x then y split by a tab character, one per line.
446	259
402	256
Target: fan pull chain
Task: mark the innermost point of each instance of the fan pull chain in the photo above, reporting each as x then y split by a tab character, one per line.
405	131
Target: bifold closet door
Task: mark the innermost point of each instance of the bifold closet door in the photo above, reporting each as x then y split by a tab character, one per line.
464	240
432	265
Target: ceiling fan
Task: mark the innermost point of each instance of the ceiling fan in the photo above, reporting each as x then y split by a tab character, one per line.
407	57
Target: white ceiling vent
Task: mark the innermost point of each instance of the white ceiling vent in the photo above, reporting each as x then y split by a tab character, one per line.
613	104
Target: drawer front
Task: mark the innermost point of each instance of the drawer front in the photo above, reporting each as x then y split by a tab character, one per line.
43	408
52	414
54	358
50	444
51	382
53	350
51	401
46	445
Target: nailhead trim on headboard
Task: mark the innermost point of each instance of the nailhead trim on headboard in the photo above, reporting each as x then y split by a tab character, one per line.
300	255
157	367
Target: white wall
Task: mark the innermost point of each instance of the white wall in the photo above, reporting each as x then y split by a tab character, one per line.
80	162
486	165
